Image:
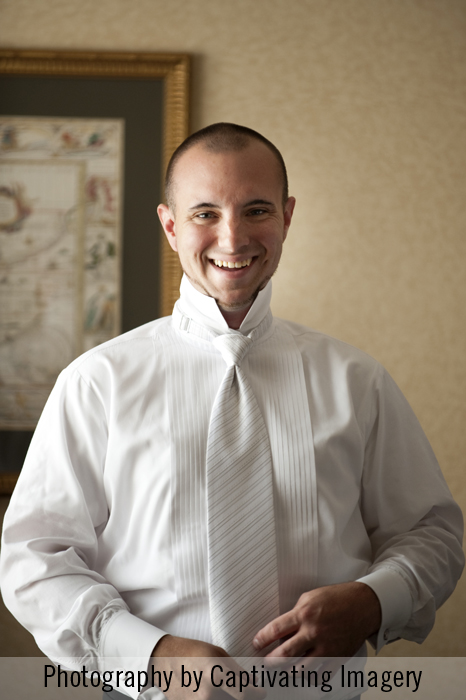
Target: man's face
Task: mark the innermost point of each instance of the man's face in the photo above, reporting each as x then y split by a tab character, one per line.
228	223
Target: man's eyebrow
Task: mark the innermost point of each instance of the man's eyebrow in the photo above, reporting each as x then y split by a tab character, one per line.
203	205
259	201
211	205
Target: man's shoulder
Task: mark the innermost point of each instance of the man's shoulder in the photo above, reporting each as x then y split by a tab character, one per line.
315	338
130	345
316	346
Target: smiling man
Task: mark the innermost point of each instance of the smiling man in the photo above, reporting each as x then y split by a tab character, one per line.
221	482
228	217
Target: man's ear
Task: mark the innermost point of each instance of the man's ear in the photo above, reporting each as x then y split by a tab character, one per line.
288	213
167	220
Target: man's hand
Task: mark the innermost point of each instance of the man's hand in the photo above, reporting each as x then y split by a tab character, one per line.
329	621
172	652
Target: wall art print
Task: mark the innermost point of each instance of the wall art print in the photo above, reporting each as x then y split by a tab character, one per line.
60	240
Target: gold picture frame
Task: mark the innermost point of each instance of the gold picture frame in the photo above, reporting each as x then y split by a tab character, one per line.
172	71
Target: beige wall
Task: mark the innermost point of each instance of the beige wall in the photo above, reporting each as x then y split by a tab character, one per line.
366	99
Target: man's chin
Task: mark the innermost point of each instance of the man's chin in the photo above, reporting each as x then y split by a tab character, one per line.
240	305
225	303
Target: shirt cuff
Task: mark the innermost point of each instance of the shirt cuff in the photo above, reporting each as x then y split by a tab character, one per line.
395	601
127	643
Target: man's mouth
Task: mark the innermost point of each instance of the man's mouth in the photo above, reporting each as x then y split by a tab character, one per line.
232	265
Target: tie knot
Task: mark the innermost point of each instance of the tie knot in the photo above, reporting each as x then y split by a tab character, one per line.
233	347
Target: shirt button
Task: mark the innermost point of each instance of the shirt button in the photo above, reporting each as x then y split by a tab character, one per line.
385	635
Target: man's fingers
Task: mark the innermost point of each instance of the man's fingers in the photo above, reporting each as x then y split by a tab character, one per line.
277	629
298	645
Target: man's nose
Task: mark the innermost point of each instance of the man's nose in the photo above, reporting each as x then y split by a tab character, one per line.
232	235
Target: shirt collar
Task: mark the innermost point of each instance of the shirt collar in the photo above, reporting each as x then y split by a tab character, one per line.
204	309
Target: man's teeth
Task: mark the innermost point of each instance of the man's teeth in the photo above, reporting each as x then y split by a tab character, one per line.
242	263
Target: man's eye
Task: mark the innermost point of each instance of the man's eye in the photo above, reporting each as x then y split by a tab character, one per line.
257	212
204	215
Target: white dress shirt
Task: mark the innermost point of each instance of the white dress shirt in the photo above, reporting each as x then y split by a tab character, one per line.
105	544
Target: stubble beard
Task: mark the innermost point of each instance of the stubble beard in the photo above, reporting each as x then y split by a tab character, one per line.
242	304
231	307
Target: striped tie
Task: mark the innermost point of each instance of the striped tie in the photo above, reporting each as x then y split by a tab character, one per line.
243	578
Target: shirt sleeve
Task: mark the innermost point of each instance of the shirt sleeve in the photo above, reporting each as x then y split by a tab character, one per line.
50	541
413	523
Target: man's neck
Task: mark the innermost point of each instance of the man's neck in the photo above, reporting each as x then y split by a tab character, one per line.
235	318
205	309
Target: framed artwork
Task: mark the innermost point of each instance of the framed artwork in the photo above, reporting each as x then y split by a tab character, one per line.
84	141
60	252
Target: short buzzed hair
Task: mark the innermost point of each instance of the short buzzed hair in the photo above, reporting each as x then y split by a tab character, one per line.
218	138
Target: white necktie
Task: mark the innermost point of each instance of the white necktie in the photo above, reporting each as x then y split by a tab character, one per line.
243	577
